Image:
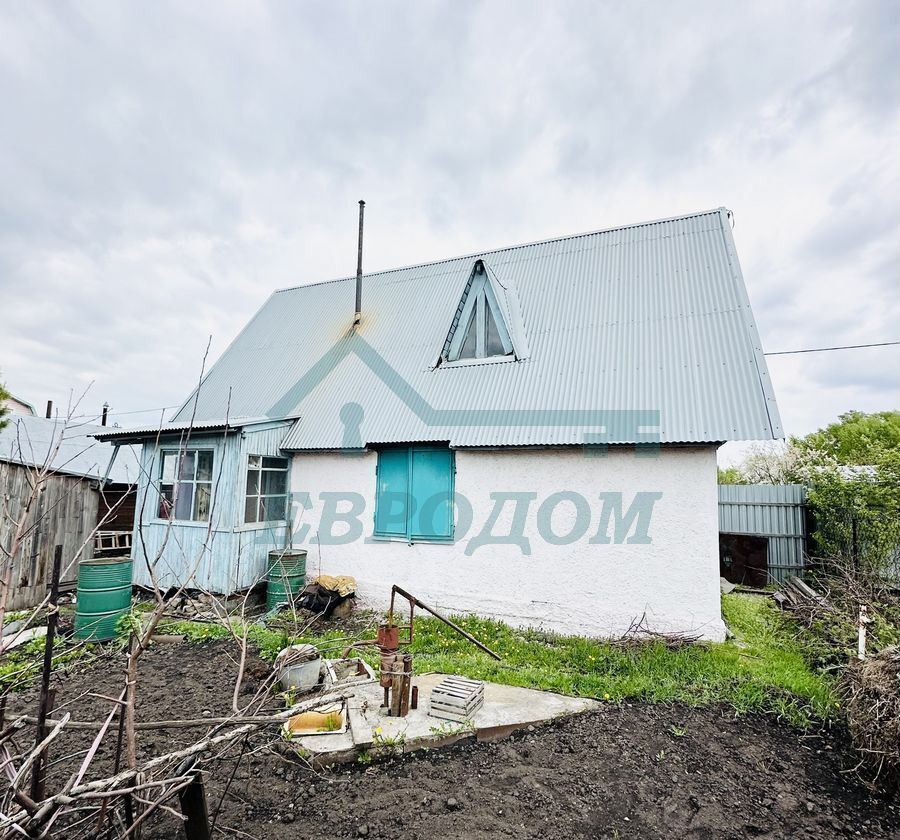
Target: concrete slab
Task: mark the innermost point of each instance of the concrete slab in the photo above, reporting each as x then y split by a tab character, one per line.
506	709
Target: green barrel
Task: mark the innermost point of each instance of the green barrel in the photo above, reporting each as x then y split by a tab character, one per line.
286	576
104	596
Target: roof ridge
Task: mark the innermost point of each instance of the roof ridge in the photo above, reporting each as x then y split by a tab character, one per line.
475	254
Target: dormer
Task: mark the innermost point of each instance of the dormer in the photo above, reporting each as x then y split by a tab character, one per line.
486	326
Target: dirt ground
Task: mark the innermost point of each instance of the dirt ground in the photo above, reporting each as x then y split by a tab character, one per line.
629	771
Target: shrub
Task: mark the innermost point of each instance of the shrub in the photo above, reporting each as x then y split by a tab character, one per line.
871	691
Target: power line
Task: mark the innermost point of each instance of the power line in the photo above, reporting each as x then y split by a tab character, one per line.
824	349
773	353
135	411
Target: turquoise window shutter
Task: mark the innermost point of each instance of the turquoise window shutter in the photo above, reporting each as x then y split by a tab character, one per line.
414	493
392	496
431	509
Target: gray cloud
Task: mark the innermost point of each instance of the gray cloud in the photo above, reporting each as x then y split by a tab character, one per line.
165	166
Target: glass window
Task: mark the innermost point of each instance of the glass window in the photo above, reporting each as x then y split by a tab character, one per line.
493	346
481	333
189	498
469	345
414	493
267	489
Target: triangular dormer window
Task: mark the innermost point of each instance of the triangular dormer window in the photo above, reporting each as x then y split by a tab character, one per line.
481	329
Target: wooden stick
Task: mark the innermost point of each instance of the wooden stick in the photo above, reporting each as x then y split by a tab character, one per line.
188	723
100	788
26	766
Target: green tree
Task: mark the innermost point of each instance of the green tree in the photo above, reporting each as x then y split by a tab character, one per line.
731	475
4	409
852	471
856	439
852	468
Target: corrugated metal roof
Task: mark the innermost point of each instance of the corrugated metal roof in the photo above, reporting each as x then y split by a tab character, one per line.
32	440
105	433
641	327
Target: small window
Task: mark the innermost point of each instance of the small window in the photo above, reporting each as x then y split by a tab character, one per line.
185	485
482	332
414	494
267	482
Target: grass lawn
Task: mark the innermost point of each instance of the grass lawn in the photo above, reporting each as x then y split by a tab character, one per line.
761	670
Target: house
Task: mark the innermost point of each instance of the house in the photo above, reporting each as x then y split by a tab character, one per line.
19	406
80	494
528	433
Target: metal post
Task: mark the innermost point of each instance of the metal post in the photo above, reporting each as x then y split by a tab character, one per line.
359	252
46	700
49	413
193	806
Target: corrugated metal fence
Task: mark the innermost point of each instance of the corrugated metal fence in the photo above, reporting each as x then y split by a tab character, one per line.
774	511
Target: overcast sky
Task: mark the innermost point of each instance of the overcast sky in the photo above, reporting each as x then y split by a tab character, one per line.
164	167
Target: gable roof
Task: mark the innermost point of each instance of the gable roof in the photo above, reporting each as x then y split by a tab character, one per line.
30	441
637	333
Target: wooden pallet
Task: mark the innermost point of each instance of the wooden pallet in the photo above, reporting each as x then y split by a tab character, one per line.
456	698
106	541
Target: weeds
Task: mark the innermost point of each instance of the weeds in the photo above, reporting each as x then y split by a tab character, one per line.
762	670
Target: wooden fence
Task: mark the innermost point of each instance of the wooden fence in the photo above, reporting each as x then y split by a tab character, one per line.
65	512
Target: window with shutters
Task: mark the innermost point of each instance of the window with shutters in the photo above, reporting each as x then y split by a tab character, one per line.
414	494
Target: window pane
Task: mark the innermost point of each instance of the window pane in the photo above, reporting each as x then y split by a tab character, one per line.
202	499
271	508
204	466
469	345
250	509
184	501
254	460
274	463
169	462
188	464
492	344
273	483
166	493
252	482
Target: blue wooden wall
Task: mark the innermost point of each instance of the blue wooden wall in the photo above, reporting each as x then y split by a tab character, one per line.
223	555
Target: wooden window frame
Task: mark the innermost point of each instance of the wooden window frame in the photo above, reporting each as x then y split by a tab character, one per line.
259	496
168	506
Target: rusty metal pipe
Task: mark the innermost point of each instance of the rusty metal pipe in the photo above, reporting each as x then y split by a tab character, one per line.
346	652
413	600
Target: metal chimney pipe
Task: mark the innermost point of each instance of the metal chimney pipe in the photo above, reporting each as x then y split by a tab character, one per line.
49	413
103	416
358	314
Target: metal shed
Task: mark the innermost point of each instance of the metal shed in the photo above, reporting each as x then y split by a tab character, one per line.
775	513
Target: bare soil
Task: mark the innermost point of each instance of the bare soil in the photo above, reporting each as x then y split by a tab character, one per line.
623	772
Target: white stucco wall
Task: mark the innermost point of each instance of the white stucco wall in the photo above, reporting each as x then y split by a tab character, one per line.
578	588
